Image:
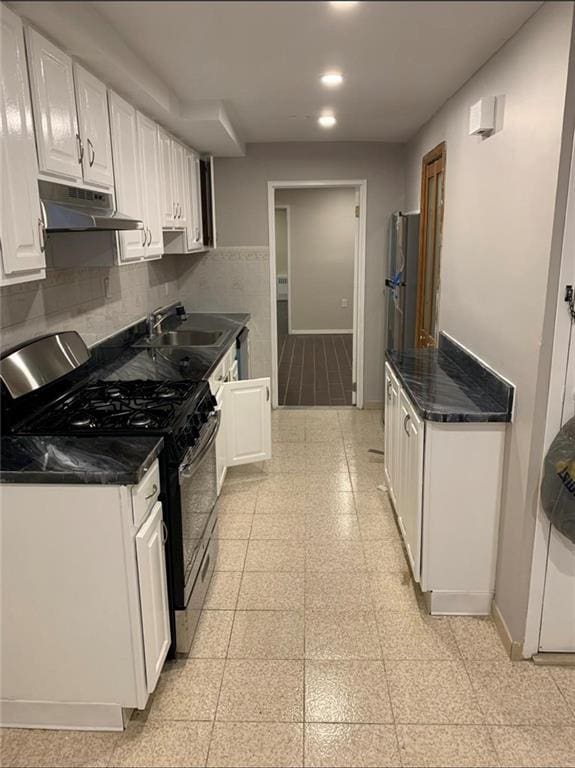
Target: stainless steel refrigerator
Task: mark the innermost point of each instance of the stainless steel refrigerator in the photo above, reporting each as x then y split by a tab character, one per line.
401	281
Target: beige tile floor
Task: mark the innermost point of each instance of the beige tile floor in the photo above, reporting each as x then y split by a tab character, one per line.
313	648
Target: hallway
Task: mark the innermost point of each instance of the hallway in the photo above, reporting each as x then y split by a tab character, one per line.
315	369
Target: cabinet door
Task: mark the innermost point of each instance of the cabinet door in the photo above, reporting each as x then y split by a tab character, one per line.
148	140
248	430
127	173
221	444
94	128
153	595
410	501
21	228
168	206
54	106
180	203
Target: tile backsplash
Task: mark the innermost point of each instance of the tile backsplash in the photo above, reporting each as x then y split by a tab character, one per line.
234	279
97	301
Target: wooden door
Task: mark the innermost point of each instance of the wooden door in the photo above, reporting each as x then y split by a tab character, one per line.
21	226
94	128
54	105
430	231
127	175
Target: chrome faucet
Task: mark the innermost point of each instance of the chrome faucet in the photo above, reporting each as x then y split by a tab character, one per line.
155	320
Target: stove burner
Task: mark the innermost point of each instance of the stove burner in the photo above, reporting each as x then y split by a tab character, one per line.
140	420
81	420
110	406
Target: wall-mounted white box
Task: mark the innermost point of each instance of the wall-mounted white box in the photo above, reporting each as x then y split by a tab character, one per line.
482	117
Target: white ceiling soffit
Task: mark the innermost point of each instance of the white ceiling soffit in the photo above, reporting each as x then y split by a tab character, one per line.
202	67
90	38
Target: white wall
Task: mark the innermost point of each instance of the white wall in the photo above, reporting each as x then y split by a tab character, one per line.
241	212
497	249
322	242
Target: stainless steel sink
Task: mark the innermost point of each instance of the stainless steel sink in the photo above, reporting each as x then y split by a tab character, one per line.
185	339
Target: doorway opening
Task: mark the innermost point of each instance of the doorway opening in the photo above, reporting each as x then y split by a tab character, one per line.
317	268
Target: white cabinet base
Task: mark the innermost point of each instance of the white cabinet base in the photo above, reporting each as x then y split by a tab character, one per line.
61	715
442	603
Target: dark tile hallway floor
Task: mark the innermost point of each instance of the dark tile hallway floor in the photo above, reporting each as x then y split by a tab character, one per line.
315	370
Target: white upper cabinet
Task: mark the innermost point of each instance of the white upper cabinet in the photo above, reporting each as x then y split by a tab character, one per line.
54	105
194	234
94	128
180	202
149	146
168	205
248	421
127	175
21	229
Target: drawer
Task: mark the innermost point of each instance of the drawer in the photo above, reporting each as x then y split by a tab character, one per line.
145	494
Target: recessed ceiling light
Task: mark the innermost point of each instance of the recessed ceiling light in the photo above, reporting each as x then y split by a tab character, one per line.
327	121
332	79
343	4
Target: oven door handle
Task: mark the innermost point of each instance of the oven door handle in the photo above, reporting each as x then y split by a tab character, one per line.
189	469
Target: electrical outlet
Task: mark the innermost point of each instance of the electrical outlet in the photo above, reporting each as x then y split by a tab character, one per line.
344	303
107	288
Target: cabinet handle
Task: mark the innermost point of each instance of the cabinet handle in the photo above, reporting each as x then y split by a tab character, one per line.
91	147
389	390
80	148
41	229
180	210
145	233
267	394
164	532
197	234
149	236
405	423
174	210
153	493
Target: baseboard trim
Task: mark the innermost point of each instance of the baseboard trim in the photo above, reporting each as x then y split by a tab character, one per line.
294	332
443	603
57	715
554	659
373	405
513	647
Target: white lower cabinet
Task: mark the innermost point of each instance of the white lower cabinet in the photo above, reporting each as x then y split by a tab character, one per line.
85	620
153	594
444	480
245	435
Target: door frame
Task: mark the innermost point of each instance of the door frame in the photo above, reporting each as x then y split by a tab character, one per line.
286	208
360	185
564	337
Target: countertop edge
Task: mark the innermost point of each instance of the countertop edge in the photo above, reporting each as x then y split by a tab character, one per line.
456	417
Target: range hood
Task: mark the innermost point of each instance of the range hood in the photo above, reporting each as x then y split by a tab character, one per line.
74	209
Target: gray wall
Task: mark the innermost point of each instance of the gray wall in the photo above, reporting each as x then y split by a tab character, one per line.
241	211
322	243
497	250
281	241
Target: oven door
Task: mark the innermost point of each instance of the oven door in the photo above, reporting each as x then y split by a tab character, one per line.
197	478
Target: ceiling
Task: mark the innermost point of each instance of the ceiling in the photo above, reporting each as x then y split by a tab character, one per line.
257	64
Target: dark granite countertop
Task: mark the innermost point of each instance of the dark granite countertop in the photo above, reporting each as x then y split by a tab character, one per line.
449	385
123	362
77	460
